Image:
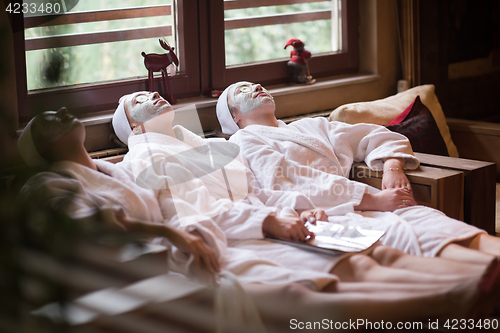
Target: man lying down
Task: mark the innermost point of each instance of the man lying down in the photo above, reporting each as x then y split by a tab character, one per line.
315	156
204	181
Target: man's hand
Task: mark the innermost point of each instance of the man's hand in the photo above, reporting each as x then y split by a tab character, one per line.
313	215
286	228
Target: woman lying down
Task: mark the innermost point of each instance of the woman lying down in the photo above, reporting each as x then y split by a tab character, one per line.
54	141
176	162
315	156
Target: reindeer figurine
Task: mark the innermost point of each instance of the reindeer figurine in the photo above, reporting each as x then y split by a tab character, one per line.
159	63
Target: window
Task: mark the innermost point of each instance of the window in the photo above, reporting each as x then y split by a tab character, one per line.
89	56
87	45
334	43
267	25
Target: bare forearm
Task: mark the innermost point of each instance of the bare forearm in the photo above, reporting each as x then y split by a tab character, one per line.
394	164
367	203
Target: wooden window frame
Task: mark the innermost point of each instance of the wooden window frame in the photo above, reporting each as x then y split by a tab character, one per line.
274	71
201	25
101	96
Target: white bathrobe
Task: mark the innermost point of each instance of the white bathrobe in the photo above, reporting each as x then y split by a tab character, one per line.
191	191
314	156
83	192
108	188
112	188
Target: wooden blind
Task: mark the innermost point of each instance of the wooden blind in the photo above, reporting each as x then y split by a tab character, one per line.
294	17
87	38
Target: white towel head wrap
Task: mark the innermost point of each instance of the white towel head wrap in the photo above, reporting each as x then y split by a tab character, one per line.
120	122
224	116
27	150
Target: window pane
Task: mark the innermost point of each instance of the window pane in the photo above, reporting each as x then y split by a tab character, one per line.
103	61
320	30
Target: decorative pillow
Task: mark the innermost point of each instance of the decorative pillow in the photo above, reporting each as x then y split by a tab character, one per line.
419	126
382	111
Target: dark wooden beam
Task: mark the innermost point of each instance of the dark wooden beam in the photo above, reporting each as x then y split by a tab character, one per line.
241	4
47	42
250	22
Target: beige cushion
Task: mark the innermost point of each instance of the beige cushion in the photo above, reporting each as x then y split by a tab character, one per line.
383	111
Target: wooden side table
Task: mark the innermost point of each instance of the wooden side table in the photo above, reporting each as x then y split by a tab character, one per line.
479	187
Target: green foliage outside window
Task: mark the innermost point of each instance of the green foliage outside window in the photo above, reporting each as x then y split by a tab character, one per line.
120	60
248	45
97	62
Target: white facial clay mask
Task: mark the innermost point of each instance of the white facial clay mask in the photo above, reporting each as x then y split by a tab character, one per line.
244	99
143	108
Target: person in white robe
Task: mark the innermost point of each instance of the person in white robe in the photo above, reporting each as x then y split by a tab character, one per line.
174	160
54	140
88	187
314	156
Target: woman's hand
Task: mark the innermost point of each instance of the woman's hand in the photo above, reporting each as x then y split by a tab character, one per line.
194	244
387	200
285	228
186	242
313	215
391	199
395	179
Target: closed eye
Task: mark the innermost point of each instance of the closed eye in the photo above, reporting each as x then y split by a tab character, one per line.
140	99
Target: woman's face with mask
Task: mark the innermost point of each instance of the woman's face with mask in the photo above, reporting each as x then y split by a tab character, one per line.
50	126
144	106
247	96
148	112
55	133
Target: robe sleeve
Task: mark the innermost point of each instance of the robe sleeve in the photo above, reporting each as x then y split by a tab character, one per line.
246	217
241	219
335	194
271	198
65	194
374	144
213	236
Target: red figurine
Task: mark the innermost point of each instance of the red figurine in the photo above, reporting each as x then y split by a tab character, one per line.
159	63
297	65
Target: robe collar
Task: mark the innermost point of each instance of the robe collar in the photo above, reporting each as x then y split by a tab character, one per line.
285	132
181	134
112	176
